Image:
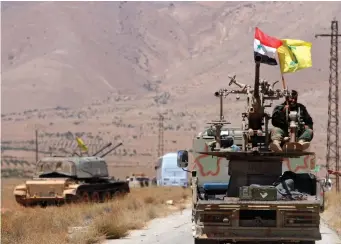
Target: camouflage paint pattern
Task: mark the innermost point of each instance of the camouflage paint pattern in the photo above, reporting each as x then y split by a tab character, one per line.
212	169
303	164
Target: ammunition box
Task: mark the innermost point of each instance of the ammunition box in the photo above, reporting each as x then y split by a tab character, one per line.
258	193
264	193
245	193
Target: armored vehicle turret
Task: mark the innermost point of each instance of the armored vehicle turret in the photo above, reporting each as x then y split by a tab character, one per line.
243	191
66	179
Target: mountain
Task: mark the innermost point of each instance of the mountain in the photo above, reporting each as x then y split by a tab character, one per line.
130	60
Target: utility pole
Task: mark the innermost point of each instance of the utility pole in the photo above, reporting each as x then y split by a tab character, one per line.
332	157
36	145
161	130
161	118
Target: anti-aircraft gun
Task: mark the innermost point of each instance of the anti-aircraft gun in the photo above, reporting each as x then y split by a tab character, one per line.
71	179
255	121
265	195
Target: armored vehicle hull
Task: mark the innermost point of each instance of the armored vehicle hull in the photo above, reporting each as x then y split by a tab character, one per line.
58	191
72	179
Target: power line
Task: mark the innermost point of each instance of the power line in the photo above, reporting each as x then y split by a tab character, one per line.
332	156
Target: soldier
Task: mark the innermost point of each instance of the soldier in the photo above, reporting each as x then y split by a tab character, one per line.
281	124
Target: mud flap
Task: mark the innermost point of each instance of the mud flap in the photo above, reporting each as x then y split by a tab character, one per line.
322	206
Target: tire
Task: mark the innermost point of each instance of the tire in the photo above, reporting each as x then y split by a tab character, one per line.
20	200
205	241
322	207
43	204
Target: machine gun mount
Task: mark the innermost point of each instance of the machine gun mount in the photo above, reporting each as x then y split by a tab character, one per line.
295	123
218	124
253	120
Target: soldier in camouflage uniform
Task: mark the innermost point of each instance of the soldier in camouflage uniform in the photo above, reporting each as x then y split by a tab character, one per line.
281	125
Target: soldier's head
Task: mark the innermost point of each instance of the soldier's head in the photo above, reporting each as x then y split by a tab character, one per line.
293	98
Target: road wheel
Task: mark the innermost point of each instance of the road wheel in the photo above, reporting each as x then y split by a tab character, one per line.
106	196
83	197
95	197
117	194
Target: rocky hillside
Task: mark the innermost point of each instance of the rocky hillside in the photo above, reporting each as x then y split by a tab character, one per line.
96	67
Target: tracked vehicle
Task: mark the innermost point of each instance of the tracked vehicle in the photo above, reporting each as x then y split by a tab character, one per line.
70	179
242	191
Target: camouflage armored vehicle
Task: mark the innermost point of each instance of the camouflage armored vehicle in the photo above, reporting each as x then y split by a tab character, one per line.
243	191
74	179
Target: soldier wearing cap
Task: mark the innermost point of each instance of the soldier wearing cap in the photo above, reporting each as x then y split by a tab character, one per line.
281	125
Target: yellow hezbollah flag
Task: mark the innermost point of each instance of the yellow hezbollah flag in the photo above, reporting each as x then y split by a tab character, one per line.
294	55
81	144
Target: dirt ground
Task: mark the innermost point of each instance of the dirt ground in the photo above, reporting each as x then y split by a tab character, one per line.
102	221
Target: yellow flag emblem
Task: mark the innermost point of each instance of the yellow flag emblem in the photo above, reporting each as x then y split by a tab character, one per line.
81	144
294	55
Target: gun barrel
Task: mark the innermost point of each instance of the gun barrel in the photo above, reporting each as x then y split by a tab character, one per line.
258	59
240	85
112	149
104	147
221	109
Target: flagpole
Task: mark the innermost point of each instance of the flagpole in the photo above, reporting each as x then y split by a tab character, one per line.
282	75
283	81
286	92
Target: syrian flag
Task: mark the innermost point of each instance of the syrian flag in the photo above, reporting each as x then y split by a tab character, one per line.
265	47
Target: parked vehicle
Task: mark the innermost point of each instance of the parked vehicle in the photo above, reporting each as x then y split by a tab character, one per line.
167	172
70	179
138	180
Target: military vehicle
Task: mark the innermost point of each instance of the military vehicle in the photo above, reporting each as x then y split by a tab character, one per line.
138	180
243	191
70	179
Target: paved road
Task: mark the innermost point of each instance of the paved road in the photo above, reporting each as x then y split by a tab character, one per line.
176	229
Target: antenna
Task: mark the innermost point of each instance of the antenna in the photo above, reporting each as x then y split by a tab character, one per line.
332	157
